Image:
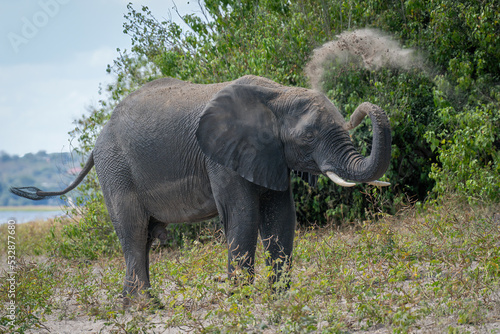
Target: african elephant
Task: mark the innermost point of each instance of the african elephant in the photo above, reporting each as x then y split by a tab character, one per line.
175	152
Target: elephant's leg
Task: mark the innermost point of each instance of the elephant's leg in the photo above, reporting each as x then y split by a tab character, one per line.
127	214
132	230
241	228
237	202
241	234
155	230
277	231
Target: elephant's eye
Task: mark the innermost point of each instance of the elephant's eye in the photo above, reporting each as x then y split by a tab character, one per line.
309	136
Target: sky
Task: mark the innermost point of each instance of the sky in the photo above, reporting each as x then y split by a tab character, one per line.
53	57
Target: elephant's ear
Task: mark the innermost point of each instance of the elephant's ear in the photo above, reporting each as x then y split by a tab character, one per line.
239	131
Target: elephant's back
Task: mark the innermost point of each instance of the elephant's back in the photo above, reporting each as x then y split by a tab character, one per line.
160	106
164	98
159	120
150	140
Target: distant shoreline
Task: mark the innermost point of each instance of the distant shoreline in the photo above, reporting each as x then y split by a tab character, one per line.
32	208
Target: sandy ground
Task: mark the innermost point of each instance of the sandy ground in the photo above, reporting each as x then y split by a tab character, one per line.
84	325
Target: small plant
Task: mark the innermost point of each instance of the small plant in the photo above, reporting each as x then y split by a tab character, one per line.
439	262
90	236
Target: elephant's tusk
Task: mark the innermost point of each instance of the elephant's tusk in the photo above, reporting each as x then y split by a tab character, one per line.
379	183
341	182
338	180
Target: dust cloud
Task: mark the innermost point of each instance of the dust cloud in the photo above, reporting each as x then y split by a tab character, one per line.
366	48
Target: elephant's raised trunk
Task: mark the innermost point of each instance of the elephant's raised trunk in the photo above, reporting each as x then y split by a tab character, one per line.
357	168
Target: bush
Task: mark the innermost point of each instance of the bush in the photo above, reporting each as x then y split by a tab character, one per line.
274	39
467	145
92	235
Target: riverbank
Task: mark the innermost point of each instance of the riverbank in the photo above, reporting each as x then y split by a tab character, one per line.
31	208
24	214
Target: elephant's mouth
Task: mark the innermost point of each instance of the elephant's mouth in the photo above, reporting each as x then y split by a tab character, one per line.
343	183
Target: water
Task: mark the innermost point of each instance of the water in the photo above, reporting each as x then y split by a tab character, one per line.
27	216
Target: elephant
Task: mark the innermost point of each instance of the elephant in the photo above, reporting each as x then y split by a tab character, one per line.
175	152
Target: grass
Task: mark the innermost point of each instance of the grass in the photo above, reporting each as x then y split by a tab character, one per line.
434	270
31	237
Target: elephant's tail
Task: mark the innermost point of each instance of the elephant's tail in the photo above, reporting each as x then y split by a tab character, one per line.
37	194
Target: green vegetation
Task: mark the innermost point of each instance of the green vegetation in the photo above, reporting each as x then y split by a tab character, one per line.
444	114
423	254
436	269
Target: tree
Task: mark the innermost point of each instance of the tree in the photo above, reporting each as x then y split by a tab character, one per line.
431	111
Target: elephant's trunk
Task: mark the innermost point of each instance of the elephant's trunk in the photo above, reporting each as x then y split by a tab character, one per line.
353	166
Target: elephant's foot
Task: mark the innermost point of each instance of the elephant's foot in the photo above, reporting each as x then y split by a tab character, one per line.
280	286
137	293
239	275
238	281
142	300
280	280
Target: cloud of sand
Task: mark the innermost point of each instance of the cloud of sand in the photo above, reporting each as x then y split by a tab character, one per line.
366	48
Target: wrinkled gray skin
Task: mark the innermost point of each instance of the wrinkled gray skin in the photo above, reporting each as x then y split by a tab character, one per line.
176	152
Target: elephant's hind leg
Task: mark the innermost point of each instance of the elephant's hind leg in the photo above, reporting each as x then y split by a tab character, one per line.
128	215
131	227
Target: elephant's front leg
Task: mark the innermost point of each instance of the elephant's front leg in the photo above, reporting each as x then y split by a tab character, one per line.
237	202
241	234
277	231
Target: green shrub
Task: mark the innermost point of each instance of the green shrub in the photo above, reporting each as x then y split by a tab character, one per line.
275	39
467	145
91	235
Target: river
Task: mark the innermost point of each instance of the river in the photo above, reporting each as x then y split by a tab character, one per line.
24	216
